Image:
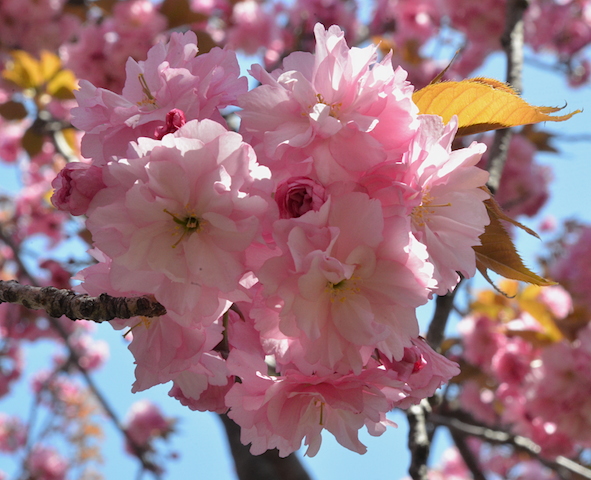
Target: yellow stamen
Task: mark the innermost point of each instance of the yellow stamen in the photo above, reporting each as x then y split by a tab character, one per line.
189	224
145	321
150	99
421	214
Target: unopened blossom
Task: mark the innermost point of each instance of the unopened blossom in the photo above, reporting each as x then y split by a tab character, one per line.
75	186
299	195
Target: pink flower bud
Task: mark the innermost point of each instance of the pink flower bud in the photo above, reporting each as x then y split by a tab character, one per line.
299	195
175	119
75	186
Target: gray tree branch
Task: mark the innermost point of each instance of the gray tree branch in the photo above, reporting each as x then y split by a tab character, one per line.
566	468
57	302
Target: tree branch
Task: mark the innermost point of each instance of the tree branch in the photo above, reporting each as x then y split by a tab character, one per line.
512	41
467	455
565	467
418	440
75	306
14	288
444	304
268	466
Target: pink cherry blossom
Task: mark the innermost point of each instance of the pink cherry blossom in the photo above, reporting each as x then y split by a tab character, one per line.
440	190
329	112
144	423
338	288
177	210
101	49
172	77
35	25
13	433
46	463
571	269
281	412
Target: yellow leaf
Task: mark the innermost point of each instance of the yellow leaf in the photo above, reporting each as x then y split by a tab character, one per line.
482	104
529	302
497	252
23	70
49	64
62	85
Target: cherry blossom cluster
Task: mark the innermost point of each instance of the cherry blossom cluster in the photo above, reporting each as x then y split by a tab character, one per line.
291	256
495	461
530	387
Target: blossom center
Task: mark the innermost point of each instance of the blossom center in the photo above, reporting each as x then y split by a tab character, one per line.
187	225
421	214
335	108
343	289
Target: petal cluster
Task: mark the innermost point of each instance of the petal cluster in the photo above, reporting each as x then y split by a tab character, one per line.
291	257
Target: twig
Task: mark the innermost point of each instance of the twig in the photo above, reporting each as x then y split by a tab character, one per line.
57	302
418	440
140	452
444	304
467	455
565	467
512	42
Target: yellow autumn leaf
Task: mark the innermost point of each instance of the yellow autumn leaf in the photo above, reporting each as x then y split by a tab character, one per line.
23	70
497	252
482	104
529	301
62	85
49	64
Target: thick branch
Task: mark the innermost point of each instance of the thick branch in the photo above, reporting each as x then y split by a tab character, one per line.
75	306
512	42
418	440
565	467
268	466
